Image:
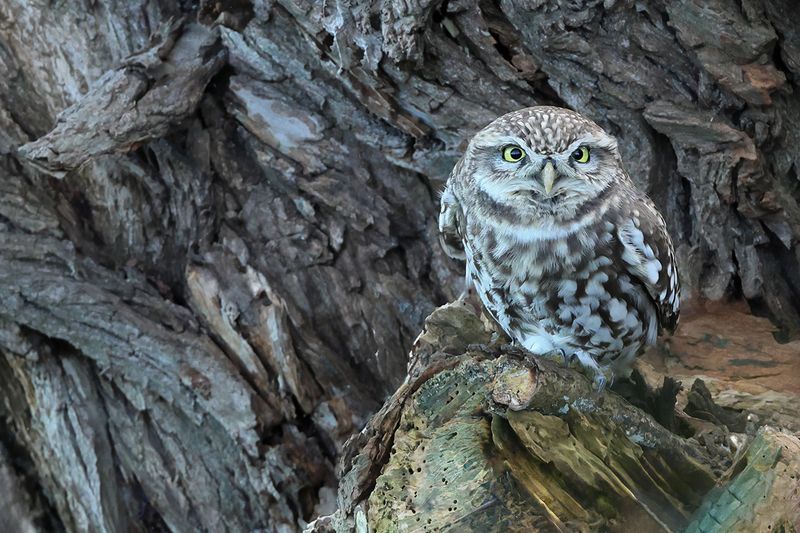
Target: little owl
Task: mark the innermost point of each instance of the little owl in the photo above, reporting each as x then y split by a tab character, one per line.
566	254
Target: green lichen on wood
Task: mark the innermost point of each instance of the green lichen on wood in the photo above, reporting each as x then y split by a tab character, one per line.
484	439
541	481
764	493
441	473
600	466
461	462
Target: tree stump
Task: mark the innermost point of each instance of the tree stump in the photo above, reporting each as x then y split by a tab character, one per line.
480	439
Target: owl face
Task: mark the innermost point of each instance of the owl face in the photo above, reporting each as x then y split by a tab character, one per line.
545	161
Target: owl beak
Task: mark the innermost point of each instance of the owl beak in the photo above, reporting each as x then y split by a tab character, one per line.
548	176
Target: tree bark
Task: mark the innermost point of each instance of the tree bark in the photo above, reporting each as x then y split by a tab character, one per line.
217	221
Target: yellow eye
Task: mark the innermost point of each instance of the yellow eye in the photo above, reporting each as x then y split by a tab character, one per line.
581	155
513	153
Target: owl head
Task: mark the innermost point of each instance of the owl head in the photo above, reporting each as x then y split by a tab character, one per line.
542	161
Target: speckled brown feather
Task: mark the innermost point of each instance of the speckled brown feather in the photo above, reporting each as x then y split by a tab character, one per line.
588	271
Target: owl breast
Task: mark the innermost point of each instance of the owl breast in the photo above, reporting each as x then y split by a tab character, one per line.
562	291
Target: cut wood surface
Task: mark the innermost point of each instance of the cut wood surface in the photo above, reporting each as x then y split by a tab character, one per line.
218	238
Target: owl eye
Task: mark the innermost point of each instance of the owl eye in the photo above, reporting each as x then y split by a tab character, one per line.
581	155
513	153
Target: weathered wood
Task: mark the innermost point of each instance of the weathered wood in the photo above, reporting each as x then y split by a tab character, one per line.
217	219
761	493
476	442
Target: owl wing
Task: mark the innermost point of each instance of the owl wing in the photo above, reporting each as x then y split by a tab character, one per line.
451	223
649	257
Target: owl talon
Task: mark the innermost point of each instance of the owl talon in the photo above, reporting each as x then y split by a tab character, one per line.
600	383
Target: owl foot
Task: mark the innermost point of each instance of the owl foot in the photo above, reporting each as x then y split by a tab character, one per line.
601	378
599	383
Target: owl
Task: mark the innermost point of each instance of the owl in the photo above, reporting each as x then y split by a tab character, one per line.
567	256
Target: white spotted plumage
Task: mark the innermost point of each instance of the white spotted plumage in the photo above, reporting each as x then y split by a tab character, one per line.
585	268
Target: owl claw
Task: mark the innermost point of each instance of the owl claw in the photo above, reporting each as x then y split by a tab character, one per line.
600	383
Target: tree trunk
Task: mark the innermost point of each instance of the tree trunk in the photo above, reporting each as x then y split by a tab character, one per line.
218	221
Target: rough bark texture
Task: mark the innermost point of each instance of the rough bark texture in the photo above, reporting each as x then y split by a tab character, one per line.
217	219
